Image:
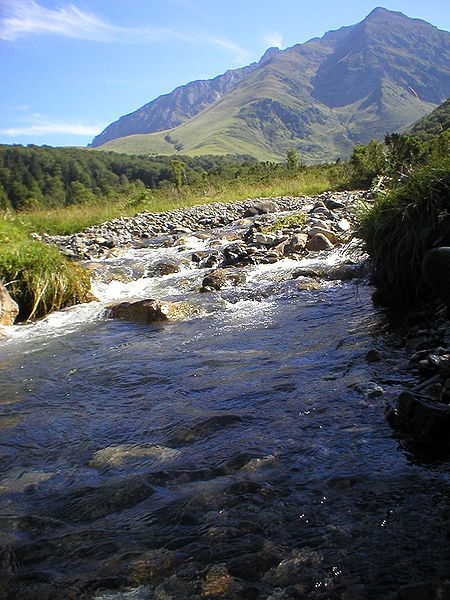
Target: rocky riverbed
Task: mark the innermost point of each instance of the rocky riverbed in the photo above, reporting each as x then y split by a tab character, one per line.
98	241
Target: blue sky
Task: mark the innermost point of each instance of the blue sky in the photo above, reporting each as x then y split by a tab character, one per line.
71	67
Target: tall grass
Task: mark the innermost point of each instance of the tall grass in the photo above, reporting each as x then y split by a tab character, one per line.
37	276
401	226
71	219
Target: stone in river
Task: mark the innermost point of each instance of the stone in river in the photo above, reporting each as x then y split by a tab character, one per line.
319	242
151	310
217	279
9	309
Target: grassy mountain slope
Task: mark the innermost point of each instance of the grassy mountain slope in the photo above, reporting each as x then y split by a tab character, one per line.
433	124
320	97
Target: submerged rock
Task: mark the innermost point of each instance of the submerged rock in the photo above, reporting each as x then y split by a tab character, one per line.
164	267
151	310
9	309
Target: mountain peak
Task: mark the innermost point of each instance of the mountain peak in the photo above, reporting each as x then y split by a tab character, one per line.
268	54
321	97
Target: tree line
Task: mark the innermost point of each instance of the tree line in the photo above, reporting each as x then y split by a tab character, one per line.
46	177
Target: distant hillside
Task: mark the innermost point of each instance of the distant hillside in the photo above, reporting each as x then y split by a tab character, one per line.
433	124
321	97
175	108
41	176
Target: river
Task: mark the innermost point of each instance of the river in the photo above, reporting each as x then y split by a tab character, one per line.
241	453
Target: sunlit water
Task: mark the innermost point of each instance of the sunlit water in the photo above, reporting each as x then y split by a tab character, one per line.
242	453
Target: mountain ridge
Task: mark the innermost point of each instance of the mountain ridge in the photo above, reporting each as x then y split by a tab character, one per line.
320	97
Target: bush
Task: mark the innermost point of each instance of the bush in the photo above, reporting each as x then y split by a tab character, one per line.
401	226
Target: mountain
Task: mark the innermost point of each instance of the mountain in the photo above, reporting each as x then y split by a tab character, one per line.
433	124
320	97
172	109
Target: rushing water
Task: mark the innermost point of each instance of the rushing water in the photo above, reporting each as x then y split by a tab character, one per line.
239	454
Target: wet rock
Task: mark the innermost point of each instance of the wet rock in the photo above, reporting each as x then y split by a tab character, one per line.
9	309
309	285
319	242
218	583
177	588
189	434
373	356
152	566
150	310
115	456
235	253
436	590
88	503
217	279
306	272
164	267
426	419
303	566
197	257
347	271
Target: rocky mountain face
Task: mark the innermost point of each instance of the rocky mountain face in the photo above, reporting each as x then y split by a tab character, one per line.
170	110
320	97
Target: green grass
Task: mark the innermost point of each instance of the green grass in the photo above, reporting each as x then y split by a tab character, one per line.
73	218
37	276
401	226
286	222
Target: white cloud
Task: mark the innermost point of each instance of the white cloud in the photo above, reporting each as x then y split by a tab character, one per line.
22	17
274	38
44	127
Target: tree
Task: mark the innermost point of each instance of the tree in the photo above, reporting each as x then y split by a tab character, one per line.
178	170
292	160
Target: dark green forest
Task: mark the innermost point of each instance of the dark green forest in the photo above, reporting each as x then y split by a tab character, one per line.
46	177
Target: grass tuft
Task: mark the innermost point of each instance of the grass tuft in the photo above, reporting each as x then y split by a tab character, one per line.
37	276
401	226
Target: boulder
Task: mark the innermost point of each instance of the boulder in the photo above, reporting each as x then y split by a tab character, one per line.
235	253
296	244
9	309
326	232
319	242
150	310
261	208
333	204
266	239
217	279
427	419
